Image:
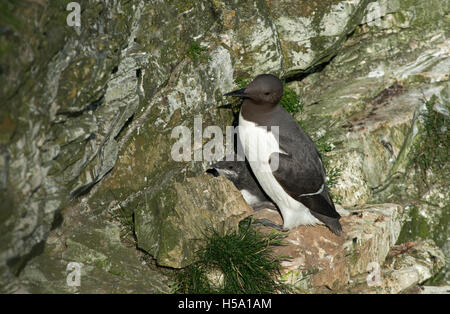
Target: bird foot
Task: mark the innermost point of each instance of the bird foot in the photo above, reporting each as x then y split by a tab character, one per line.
264	205
268	223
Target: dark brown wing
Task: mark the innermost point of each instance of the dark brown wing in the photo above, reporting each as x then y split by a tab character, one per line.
304	182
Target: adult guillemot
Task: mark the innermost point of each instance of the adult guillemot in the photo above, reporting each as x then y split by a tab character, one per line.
283	158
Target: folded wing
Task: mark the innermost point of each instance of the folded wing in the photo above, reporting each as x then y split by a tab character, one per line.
304	180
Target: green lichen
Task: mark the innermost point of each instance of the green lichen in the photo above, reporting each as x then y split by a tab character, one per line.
197	52
241	82
290	101
7	17
242	257
431	150
126	221
416	227
428	169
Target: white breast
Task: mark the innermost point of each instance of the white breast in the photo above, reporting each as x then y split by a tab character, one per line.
258	143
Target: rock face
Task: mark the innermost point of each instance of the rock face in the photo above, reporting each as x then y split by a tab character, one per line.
363	260
373	111
321	260
171	228
98	246
88	115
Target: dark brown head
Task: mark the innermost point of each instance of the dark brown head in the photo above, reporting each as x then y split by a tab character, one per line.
265	89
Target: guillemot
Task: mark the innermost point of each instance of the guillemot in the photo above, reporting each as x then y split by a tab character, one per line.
283	158
241	175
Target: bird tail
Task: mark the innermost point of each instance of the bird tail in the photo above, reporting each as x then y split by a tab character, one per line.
332	223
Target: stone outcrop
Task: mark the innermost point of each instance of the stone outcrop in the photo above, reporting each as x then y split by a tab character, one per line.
98	250
364	259
320	260
172	229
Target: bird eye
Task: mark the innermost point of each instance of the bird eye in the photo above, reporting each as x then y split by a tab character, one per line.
266	93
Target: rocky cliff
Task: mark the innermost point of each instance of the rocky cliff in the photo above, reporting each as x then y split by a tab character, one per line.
88	114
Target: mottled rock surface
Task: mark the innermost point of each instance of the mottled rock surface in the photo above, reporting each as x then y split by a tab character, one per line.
104	252
363	260
369	104
406	266
171	228
320	260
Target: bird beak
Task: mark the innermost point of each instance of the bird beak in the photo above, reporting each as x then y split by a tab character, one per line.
237	93
213	171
